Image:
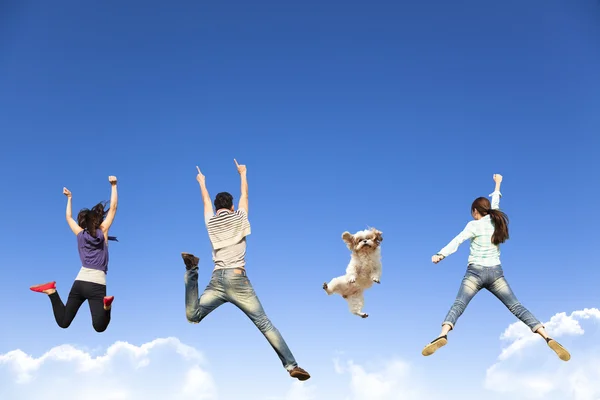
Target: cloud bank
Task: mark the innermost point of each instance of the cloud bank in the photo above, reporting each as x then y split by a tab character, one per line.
527	369
168	369
161	369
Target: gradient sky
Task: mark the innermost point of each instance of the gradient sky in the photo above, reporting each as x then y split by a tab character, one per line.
347	114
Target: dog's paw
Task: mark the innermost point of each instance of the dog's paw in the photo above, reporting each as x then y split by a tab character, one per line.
352	279
325	286
363	315
376	280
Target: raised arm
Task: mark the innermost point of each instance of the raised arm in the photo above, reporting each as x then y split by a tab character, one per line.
208	207
72	223
467	233
496	194
243	205
112	210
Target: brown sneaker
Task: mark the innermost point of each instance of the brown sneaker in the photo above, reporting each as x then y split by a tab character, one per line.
299	374
190	260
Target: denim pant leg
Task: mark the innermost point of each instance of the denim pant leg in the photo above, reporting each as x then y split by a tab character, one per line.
469	287
214	295
501	289
242	295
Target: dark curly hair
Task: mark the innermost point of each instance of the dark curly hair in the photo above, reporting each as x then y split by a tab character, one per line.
223	200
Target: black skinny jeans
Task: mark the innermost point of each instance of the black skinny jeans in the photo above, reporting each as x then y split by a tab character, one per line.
81	291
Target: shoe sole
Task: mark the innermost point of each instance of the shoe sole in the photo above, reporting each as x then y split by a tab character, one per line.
562	353
433	347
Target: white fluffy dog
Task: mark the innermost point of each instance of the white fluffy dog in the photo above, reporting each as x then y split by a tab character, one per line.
364	269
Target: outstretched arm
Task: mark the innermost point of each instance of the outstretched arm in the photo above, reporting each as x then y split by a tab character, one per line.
496	194
72	223
208	207
467	233
112	210
243	205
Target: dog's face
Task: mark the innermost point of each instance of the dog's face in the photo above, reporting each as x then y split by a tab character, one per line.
363	241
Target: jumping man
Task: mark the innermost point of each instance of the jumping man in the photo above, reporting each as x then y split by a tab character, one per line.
227	231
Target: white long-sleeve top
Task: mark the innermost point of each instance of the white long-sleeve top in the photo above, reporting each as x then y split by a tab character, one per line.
482	251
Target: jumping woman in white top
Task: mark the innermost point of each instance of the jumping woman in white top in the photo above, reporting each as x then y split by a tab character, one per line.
486	232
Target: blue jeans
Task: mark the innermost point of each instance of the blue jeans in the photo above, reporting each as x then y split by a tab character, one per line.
479	277
231	285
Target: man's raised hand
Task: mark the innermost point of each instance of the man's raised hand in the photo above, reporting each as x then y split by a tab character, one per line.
67	192
200	178
241	168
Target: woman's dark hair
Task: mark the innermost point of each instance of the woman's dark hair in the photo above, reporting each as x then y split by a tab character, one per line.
90	220
223	200
499	219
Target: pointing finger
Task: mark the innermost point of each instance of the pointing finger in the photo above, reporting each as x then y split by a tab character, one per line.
198	170
236	163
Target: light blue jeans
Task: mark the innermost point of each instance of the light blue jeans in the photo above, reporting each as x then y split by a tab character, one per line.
231	285
479	277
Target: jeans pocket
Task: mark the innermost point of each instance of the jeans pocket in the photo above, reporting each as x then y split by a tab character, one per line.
498	272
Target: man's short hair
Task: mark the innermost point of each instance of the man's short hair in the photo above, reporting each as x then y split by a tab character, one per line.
223	200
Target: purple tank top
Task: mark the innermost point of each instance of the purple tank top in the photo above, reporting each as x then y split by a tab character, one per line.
93	251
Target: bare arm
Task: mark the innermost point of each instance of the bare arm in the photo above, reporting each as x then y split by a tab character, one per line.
243	204
496	194
208	207
112	211
69	214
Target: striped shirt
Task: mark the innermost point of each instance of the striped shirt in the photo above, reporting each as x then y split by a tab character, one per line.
227	232
482	251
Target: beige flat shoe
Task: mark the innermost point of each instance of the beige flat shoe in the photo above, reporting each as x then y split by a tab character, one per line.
562	353
435	345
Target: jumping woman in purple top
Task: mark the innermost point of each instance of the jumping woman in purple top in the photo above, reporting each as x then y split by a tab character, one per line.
91	230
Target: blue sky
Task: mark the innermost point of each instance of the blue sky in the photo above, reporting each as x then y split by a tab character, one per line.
387	114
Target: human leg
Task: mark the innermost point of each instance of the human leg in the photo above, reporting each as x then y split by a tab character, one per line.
241	293
64	314
469	287
502	290
196	309
95	294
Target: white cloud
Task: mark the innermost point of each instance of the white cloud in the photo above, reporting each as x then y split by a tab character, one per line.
161	369
528	368
392	380
301	391
167	369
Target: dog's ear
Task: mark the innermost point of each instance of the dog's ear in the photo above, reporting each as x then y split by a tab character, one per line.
349	239
378	235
